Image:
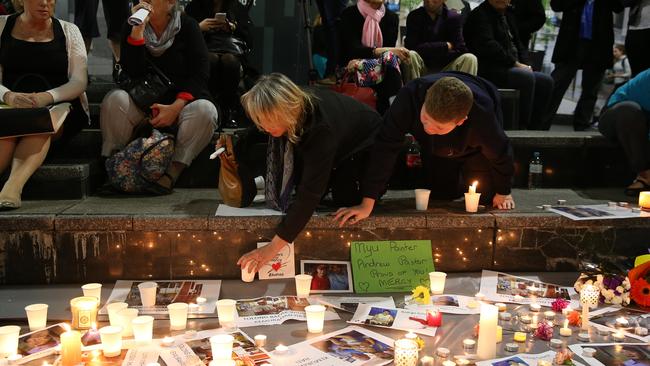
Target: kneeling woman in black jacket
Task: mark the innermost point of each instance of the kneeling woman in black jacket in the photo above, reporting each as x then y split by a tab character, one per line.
319	139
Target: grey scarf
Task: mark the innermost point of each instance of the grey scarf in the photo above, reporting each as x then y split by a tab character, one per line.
158	46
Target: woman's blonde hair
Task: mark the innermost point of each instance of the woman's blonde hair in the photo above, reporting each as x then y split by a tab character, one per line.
18	5
276	100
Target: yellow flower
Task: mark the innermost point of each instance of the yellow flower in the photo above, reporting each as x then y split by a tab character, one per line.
421	295
420	342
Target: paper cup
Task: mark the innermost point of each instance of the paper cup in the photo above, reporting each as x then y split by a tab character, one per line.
93	290
246	276
437	281
126	316
111	337
315	318
113	309
142	329
303	285
471	202
227	312
221	345
9	340
422	199
148	293
177	315
36	316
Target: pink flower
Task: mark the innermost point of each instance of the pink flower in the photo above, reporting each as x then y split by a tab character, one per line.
544	331
559	304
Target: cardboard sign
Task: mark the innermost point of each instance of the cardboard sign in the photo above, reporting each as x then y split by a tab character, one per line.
391	266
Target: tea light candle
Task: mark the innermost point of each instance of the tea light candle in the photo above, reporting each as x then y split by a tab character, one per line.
499	334
472	304
479	296
501	306
566	311
565	331
111	337
472	198
221	345
535	307
84	312
584	337
549	315
434	318
588	352
644	200
505	316
437	280
487	346
443	352
469	344
512	347
518	298
426	361
525	319
177	315
622	322
247	276
448	363
556	343
410	335
315	318
303	285
641	331
71	348
9	335
142	329
462	362
406	352
227	312
519	337
618	336
260	340
543	363
281	349
201	300
167	341
13	359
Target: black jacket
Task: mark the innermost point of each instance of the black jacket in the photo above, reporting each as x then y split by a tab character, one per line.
350	30
429	38
337	128
569	34
235	12
530	17
487	38
185	63
481	132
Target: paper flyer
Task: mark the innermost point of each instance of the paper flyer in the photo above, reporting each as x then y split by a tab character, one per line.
272	310
349	346
244	348
597	212
181	355
450	304
350	303
401	319
502	287
141	356
523	359
615	354
168	292
629	319
283	265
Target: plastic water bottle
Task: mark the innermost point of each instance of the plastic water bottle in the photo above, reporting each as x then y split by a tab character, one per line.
535	169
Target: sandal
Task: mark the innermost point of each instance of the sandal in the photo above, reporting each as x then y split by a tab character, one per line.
633	192
7	204
160	190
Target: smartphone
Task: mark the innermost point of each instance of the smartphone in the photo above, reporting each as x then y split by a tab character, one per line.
220	17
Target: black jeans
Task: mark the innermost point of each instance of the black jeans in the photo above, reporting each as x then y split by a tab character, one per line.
225	75
627	123
388	88
535	90
330	11
637	44
563	74
345	179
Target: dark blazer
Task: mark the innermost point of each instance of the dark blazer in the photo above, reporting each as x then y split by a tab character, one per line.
429	38
351	28
487	38
337	128
569	34
481	132
530	17
235	12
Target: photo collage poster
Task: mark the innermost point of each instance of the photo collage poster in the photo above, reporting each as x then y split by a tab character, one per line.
607	318
503	287
400	319
272	310
615	354
451	304
524	359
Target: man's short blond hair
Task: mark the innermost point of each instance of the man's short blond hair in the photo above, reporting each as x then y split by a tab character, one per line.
448	100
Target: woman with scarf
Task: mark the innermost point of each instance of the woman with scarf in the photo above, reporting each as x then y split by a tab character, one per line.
171	41
319	140
368	36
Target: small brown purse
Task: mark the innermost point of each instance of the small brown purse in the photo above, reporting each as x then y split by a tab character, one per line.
237	188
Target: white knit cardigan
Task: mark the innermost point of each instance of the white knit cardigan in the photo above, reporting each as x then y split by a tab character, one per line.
77	67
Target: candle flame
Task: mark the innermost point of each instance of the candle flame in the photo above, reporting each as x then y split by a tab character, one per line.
621	320
66	327
94	326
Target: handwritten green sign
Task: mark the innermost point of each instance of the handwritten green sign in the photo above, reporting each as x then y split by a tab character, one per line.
391	266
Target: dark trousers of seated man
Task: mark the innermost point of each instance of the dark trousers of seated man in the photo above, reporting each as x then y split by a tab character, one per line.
627	124
449	178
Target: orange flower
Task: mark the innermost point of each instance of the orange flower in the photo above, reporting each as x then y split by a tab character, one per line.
574	318
640	292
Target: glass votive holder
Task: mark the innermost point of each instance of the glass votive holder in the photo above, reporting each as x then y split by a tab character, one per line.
221	345
9	340
113	309
437	281
177	315
315	318
84	312
111	337
126	316
93	290
303	285
142	329
227	313
148	293
36	316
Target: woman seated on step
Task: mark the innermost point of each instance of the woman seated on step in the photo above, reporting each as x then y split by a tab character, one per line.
171	41
42	62
319	142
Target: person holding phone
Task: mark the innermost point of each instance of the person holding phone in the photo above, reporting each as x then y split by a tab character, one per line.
225	25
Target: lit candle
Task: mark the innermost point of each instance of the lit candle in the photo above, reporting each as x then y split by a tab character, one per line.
434	318
518	298
201	300
111	337
426	361
315	318
472	198
36	316
641	331
566	311
519	337
501	306
525	319
448	363
534	320
543	363
565	331
70	348
437	282
584	337
535	307
549	315
406	352
487	346
227	312
113	309
303	285
618	336
479	296
469	344
84	312
260	340
93	290
281	349
142	329
167	341
177	315
588	298
622	322
9	340
221	345
410	335
644	200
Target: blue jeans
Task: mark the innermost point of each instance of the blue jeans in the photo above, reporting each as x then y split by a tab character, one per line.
535	90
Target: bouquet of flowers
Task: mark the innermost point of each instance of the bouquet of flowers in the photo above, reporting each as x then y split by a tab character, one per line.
612	282
640	280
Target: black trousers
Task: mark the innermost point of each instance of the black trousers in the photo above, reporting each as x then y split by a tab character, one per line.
448	178
564	73
627	124
388	87
225	75
330	11
345	179
116	12
637	44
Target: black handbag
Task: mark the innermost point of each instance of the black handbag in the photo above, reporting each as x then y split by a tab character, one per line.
145	90
226	43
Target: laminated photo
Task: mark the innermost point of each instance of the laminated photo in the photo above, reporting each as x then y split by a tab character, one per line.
615	354
401	319
328	276
503	287
607	318
272	310
450	304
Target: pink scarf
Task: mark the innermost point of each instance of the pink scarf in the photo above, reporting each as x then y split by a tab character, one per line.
371	36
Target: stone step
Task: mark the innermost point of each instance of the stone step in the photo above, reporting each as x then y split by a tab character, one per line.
59	181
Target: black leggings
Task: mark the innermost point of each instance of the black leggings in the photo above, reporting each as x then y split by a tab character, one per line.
225	74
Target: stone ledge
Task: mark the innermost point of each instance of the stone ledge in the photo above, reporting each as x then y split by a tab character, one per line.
171	222
26	222
93	223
